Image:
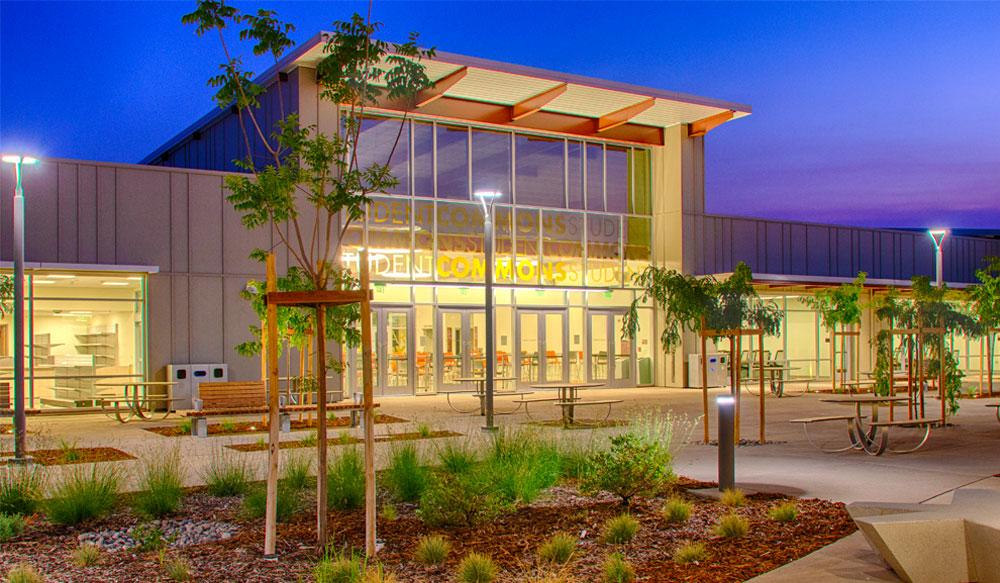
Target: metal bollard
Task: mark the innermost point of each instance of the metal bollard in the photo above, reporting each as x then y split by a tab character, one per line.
357	419
727	449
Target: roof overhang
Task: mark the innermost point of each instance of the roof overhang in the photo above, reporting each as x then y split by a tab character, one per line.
805	283
470	89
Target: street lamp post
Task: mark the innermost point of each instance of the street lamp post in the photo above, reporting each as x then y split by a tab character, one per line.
937	235
20	430
491	358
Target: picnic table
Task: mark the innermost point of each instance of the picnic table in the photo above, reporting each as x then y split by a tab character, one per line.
569	398
775	375
134	399
873	436
480	393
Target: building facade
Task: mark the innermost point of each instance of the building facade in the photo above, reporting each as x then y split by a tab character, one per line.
135	267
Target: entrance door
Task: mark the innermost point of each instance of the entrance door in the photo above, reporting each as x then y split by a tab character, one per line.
542	340
461	347
611	358
392	347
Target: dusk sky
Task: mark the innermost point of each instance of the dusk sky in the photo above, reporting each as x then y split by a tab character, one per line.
867	114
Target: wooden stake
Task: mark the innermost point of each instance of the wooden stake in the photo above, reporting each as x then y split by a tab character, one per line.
833	359
704	378
736	383
271	349
321	437
761	375
892	372
369	409
941	388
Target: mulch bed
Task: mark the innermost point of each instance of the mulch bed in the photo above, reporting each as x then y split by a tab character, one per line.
245	427
80	455
511	540
345	440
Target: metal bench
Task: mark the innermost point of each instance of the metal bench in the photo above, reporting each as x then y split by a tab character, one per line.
805	422
568	408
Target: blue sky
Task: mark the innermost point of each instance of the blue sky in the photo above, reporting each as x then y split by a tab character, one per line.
877	114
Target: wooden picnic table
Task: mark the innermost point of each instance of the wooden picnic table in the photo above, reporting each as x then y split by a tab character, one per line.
136	399
480	392
569	396
873	437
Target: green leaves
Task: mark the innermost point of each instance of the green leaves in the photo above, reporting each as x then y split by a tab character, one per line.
210	15
270	33
839	305
685	299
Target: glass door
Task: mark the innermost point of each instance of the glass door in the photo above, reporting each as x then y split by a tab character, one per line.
612	359
392	342
462	347
541	350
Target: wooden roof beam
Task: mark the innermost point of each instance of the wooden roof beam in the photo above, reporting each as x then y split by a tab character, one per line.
442	85
622	116
703	126
535	103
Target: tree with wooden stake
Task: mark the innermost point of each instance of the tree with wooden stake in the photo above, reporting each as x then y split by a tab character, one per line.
985	297
840	310
712	308
308	187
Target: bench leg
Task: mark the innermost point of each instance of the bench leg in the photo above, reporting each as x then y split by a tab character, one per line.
923	440
199	427
284	422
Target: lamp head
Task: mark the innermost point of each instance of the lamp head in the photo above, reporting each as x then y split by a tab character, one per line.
18	159
487	194
937	235
725	400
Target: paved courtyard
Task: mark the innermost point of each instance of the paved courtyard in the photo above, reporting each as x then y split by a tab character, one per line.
960	455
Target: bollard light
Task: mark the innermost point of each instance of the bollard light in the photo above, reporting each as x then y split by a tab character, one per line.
727	449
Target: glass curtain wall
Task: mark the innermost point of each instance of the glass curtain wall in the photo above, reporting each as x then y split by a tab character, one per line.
81	328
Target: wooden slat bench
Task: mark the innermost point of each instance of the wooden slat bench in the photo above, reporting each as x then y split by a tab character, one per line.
245	398
805	422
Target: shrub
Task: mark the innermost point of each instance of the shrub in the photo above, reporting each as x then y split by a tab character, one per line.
520	466
558	549
346	481
432	550
296	472
340	569
148	538
176	568
227	474
388	512
574	459
80	495
185	426
784	512
620	529
11	525
20	489
308	440
87	555
733	497
255	504
477	568
690	553
731	526
24	574
424	430
460	499
161	485
676	510
68	451
617	570
457	457
227	426
405	477
631	467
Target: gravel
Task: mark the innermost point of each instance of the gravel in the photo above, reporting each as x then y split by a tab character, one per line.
176	532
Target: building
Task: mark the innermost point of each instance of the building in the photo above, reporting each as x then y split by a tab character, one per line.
134	267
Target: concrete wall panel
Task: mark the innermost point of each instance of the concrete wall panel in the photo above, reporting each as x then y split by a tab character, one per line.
160	316
180	339
179	222
239	317
205	220
106	224
86	204
67	208
41	213
143	218
206	319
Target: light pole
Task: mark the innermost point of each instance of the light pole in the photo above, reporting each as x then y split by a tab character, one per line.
19	345
487	198
937	235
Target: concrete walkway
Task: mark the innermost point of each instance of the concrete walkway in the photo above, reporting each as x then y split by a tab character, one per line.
962	454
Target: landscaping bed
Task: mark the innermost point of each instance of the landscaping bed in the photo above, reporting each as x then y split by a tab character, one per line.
345	440
78	455
511	540
245	427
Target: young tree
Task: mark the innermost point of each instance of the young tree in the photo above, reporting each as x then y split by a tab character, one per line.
839	306
985	298
305	186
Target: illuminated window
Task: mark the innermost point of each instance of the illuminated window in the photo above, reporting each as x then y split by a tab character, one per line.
491	163
541	172
452	162
378	138
604	265
562	248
